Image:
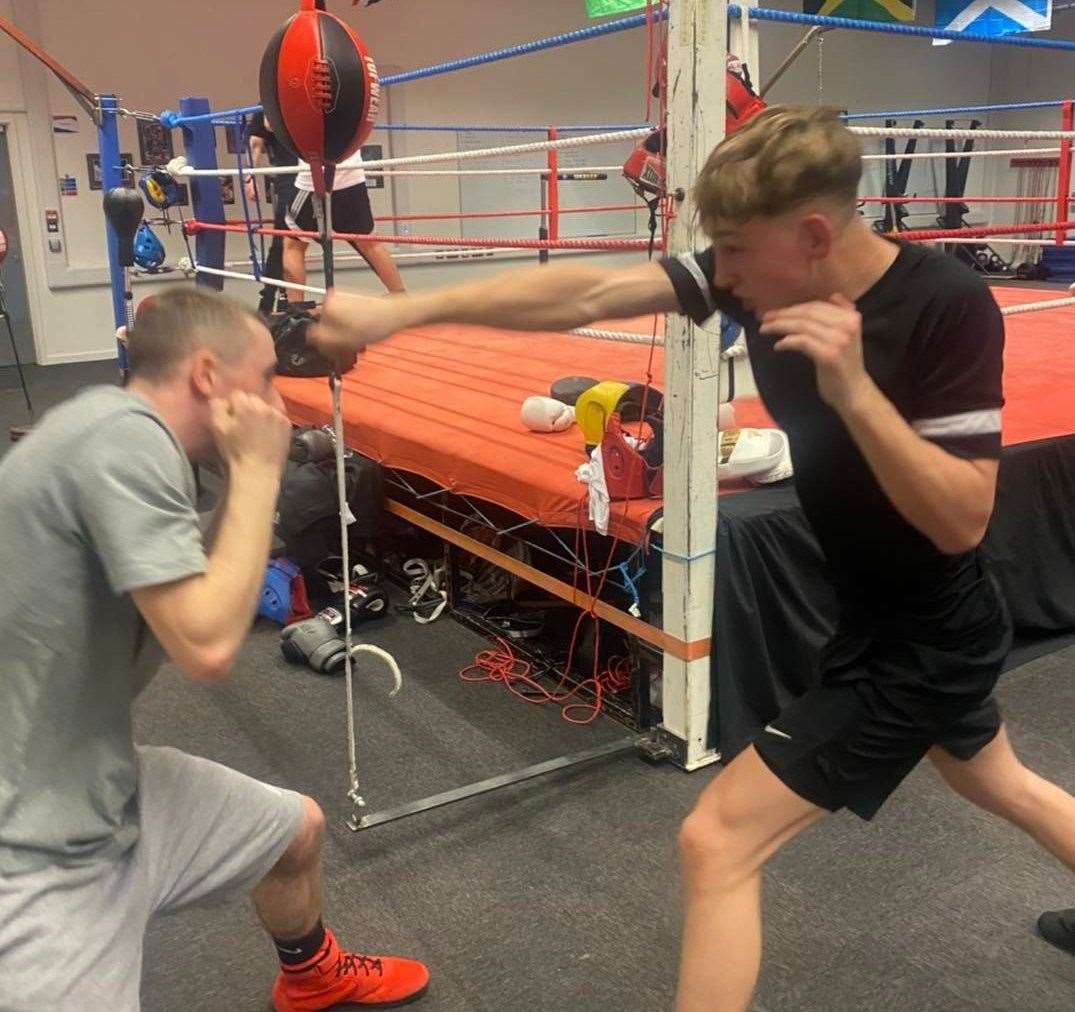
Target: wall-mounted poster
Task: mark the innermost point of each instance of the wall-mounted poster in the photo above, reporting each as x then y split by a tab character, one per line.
154	143
93	168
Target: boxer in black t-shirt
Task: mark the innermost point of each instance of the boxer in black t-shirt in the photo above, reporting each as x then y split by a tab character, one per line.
882	362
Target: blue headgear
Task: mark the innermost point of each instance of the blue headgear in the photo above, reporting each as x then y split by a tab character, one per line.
160	189
148	249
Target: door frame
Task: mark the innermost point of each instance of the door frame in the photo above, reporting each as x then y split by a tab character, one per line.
30	233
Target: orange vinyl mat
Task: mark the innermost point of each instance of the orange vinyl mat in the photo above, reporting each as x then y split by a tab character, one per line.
443	402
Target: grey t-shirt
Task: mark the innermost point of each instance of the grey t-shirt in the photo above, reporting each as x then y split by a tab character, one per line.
97	501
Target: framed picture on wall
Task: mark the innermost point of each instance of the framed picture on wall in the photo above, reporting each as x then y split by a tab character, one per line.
154	143
229	139
93	168
373	153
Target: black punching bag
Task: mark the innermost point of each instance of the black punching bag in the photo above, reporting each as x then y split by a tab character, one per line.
124	209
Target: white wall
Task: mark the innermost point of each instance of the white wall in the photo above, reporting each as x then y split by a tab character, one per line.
214	50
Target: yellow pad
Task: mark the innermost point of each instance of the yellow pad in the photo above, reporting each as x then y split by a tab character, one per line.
594	406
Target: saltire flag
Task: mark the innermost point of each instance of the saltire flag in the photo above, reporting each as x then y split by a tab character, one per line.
602	8
993	17
862	10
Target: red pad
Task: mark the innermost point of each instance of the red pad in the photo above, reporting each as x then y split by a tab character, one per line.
319	87
741	103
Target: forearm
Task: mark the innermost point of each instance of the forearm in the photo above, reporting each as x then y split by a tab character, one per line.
258	153
544	298
220	606
945	497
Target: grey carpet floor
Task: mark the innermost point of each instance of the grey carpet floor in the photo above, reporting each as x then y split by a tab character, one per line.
561	894
48	385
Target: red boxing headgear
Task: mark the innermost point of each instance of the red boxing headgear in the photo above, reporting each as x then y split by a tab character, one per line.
319	87
741	100
645	167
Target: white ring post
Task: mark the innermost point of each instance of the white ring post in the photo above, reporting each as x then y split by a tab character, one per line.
697	42
743	41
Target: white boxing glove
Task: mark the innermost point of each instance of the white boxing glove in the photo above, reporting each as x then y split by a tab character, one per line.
544	414
176	166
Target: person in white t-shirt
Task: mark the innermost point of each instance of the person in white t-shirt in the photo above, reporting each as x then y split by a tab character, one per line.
351	214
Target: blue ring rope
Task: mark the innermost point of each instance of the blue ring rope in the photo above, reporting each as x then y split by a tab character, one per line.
239	127
537	46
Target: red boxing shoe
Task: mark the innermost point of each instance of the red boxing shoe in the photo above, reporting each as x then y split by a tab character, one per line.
334	977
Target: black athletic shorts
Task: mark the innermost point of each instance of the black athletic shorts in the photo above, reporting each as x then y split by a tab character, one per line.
351	211
283	195
884	700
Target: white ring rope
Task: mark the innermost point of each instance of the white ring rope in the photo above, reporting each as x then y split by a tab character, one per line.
177	168
624	337
926	133
1033	307
995	240
463	156
186	266
564	171
989	153
290	170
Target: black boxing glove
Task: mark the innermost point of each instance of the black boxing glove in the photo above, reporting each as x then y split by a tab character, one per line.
314	642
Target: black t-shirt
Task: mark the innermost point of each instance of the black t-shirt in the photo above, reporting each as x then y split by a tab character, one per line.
933	341
277	153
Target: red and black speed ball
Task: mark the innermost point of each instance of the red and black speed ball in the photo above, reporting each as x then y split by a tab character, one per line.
319	87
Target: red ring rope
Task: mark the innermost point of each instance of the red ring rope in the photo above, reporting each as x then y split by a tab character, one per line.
463	215
956	200
986	230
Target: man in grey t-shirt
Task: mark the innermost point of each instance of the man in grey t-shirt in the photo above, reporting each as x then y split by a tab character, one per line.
103	572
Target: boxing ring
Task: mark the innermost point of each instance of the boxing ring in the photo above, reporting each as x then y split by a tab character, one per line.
441	404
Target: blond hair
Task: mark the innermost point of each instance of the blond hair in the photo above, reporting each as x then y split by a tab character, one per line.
168	328
782	158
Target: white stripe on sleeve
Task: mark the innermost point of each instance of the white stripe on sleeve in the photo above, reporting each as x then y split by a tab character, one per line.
967	423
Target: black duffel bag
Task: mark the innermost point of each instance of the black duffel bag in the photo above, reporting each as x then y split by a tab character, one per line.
307	516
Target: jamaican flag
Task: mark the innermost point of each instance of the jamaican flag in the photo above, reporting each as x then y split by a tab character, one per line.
602	8
865	10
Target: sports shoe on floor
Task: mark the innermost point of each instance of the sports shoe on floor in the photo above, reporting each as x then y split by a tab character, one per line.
334	977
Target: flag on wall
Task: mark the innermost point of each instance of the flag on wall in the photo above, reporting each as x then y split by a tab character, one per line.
994	17
602	8
863	10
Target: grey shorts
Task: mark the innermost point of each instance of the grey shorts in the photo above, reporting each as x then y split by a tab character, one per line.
71	937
